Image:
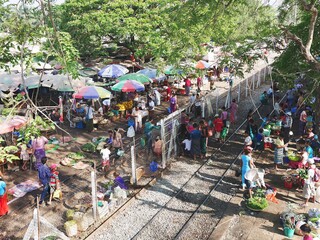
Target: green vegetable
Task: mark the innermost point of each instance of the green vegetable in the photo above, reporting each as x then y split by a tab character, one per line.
88	147
76	155
257	203
313	219
259	193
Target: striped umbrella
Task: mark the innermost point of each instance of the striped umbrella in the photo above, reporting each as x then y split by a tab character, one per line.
128	86
113	71
92	92
135	76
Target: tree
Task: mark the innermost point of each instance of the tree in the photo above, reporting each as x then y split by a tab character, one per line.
172	30
301	55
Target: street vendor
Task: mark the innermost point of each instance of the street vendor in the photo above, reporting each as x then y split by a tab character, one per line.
79	115
255	177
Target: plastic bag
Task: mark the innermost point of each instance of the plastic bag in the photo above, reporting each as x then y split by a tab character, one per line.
120	153
57	194
131	132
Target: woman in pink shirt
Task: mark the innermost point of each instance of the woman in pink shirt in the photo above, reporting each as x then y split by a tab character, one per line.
38	149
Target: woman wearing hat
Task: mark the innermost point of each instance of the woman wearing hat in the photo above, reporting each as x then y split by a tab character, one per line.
3	198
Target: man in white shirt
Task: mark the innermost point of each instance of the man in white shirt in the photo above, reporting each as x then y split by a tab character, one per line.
136	113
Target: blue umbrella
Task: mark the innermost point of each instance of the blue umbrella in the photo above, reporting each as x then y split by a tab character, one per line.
149	72
113	71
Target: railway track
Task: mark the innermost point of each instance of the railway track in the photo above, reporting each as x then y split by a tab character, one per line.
198	204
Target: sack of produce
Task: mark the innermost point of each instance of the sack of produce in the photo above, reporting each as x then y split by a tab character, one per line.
71	228
69	214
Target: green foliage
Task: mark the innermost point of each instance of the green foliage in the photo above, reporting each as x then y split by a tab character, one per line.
292	62
25	25
33	129
88	147
172	30
8	154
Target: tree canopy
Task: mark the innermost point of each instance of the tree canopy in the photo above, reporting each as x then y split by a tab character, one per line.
162	29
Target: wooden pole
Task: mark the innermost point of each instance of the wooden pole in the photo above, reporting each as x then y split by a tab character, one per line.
163	138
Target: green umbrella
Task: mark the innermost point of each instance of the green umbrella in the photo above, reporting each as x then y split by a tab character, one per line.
135	76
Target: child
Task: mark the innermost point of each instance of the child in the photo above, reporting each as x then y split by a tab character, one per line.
224	133
105	152
187	146
24	156
259	138
54	181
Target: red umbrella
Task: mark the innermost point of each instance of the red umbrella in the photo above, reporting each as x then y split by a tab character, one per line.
11	123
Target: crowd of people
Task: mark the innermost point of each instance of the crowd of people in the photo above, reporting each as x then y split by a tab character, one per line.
294	110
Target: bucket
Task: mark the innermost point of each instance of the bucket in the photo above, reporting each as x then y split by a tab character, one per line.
153	166
287	184
288	232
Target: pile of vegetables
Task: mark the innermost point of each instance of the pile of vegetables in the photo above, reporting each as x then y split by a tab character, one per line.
260	193
88	147
257	203
303	173
293	157
76	156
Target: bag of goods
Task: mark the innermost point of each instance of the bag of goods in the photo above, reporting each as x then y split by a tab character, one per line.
82	221
71	228
69	214
120	193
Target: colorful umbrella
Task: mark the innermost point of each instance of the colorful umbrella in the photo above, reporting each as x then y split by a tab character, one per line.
10	123
92	92
149	72
202	65
135	76
113	71
128	86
